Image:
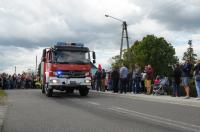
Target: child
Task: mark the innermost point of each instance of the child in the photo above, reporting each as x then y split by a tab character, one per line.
157	80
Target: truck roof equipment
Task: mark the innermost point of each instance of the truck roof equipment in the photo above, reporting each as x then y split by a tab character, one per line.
64	44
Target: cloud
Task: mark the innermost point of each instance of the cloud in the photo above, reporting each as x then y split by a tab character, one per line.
177	15
22	58
28	26
31	24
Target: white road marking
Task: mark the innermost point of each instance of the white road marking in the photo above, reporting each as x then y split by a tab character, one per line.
177	101
157	119
93	103
89	102
75	99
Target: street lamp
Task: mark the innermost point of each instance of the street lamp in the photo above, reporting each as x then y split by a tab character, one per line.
124	30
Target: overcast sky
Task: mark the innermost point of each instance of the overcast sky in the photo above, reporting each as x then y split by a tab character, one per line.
27	26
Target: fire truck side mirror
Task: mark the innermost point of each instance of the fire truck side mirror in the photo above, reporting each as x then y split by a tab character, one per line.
93	55
44	59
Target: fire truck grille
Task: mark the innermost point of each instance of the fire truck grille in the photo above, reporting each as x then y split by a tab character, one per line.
72	74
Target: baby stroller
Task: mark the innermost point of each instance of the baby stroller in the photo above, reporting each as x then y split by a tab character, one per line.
160	89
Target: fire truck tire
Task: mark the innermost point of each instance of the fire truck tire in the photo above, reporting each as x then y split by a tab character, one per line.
48	91
83	91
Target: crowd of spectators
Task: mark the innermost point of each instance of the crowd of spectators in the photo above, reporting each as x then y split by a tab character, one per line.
17	81
142	80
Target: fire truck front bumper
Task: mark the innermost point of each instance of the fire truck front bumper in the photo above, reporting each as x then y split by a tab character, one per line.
54	81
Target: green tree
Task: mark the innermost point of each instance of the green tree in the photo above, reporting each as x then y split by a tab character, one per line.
155	51
130	61
117	62
189	54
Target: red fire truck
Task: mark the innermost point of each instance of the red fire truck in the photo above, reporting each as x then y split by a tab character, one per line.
65	67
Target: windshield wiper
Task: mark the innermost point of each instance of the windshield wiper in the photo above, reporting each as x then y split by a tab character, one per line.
73	62
62	62
80	62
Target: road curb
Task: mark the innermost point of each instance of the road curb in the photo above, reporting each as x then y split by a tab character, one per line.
153	98
3	110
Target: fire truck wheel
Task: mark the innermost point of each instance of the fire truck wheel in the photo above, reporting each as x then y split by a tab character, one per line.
48	91
43	90
83	91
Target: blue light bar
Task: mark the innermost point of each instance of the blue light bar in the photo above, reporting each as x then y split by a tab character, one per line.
58	72
70	44
61	44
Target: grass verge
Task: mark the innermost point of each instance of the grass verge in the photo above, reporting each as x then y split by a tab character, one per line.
2	93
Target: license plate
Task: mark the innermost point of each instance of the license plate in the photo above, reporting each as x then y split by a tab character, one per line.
63	76
72	82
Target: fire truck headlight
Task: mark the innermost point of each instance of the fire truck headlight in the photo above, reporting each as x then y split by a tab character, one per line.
87	81
54	81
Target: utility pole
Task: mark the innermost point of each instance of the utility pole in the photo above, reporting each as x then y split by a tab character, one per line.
36	64
15	69
124	36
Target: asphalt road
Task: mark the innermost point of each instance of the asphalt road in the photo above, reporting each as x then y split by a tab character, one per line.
31	111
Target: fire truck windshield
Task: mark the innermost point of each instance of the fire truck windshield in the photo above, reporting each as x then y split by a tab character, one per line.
62	56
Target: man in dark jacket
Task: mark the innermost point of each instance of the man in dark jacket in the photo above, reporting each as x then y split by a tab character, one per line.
98	76
103	79
129	82
177	80
115	80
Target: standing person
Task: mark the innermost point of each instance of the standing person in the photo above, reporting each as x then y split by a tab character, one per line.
9	82
115	80
177	80
136	79
145	81
103	80
4	80
23	81
93	82
18	81
34	81
149	71
143	78
123	78
1	81
29	81
129	81
109	84
197	78
186	69
98	76
14	80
